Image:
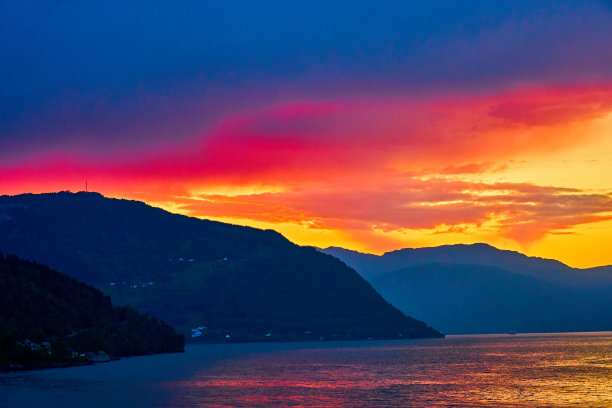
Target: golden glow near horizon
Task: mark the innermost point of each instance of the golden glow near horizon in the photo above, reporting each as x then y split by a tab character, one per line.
585	166
525	170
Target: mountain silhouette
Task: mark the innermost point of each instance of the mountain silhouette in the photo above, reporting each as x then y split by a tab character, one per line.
480	289
214	281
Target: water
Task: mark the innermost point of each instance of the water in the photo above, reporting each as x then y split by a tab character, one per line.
554	370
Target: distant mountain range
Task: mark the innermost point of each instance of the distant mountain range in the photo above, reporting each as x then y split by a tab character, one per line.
210	280
49	319
480	289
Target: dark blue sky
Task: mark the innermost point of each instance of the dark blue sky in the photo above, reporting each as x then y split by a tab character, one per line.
91	75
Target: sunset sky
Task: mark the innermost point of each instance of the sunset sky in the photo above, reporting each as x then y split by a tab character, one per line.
369	125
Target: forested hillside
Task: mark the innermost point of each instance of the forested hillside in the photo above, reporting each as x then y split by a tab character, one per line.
48	318
234	283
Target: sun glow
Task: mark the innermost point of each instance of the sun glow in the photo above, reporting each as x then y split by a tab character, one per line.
526	169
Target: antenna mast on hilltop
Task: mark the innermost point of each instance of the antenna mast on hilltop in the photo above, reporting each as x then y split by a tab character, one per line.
86	185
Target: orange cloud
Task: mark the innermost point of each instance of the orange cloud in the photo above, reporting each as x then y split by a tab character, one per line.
367	167
522	212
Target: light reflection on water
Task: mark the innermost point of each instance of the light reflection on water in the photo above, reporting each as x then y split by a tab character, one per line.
462	371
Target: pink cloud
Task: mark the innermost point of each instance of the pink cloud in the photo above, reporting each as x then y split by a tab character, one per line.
353	164
554	106
308	141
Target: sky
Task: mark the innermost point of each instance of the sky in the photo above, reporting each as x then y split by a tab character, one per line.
368	125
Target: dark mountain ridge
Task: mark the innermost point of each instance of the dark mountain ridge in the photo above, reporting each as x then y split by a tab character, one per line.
219	281
480	289
369	265
463	298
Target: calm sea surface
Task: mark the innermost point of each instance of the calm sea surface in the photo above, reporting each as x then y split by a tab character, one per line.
550	370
